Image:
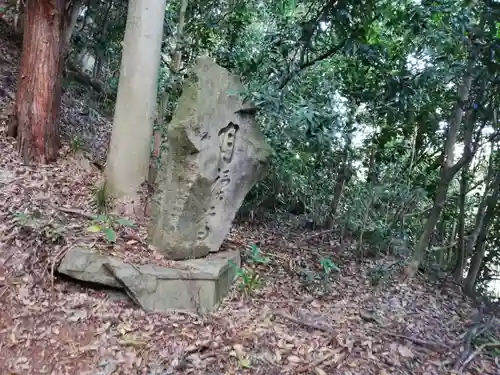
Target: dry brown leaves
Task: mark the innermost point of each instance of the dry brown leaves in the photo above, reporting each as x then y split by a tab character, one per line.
283	328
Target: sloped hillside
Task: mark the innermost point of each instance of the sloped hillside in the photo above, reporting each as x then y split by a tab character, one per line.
302	319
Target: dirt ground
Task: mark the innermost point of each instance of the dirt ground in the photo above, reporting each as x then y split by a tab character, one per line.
52	326
287	326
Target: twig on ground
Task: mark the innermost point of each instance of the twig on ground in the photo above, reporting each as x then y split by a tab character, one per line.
300	302
5	288
314	235
98	305
72	211
437	347
318	327
474	332
478	351
8	258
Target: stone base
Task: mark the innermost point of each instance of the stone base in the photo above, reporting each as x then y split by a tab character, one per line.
196	285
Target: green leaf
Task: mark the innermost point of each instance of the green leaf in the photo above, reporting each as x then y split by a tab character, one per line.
110	234
125	222
94	228
244	362
328	265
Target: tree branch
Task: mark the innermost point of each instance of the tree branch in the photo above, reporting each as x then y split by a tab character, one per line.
327	54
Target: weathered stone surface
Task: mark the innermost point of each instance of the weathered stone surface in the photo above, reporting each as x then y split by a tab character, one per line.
196	285
216	153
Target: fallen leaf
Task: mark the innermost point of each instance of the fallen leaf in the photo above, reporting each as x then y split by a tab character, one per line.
238	350
94	228
244	363
404	351
128	340
294	359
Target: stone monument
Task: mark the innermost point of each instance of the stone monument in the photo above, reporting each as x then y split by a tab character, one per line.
216	154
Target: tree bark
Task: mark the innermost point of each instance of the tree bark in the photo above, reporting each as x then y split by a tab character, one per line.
176	64
372	175
480	249
458	272
130	147
448	170
175	69
337	193
77	4
467	245
343	177
100	53
39	89
18	15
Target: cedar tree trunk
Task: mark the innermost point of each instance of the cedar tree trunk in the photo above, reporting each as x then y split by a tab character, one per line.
39	88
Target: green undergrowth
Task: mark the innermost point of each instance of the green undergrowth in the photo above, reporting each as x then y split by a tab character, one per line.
249	275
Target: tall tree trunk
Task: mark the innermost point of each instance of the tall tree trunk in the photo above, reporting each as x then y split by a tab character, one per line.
176	64
477	258
447	171
39	89
447	253
98	64
128	157
458	272
372	175
18	15
174	70
77	4
337	193
100	53
343	177
481	210
466	245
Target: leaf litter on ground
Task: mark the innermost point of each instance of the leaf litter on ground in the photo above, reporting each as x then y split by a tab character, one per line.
283	327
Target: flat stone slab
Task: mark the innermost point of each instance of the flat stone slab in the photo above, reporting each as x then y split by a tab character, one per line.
196	285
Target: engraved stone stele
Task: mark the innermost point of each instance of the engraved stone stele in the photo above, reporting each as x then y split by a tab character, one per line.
215	154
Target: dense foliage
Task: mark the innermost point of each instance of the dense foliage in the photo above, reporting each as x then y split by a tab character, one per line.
371	108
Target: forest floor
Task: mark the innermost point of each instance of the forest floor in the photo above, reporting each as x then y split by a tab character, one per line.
49	325
54	326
